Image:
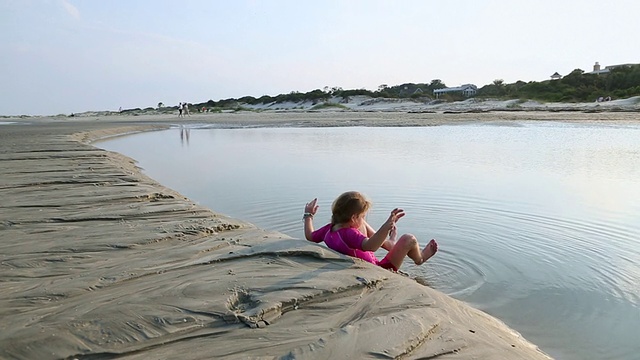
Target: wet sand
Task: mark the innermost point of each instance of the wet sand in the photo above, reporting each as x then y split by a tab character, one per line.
99	261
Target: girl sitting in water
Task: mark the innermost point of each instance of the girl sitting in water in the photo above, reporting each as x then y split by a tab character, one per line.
350	234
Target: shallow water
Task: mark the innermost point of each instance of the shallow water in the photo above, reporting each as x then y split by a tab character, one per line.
538	223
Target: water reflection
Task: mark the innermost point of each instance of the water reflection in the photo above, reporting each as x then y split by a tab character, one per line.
184	135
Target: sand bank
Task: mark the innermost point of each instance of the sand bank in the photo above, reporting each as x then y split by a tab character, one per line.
99	261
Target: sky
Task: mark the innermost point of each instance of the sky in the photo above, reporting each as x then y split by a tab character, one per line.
70	56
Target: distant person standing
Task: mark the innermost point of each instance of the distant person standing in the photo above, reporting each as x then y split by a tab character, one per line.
185	109
180	110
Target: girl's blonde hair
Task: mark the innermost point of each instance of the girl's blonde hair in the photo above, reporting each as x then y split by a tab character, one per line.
348	204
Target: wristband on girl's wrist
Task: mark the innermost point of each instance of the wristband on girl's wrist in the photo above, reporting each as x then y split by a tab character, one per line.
307	215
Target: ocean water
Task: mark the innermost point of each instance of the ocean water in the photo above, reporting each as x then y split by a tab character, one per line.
538	223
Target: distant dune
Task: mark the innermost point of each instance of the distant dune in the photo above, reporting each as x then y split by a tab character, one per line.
369	104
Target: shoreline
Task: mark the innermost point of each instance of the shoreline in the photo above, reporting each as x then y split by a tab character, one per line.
337	118
101	259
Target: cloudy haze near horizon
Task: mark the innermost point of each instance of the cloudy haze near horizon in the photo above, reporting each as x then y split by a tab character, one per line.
64	56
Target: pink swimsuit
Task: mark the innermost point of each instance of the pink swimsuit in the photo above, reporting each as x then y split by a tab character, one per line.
348	241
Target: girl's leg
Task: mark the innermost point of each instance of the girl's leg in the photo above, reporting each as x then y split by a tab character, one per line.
408	245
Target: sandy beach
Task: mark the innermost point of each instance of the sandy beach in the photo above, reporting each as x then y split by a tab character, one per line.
100	261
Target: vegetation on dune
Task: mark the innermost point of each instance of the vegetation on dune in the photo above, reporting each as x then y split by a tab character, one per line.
577	86
422	91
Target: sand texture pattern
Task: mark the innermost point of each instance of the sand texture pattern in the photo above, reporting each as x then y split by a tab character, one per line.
99	261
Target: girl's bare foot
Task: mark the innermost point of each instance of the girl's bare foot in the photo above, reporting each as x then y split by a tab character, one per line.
429	250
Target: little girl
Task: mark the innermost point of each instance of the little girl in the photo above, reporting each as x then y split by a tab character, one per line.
349	233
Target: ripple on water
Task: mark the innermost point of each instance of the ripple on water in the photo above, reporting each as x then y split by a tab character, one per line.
488	233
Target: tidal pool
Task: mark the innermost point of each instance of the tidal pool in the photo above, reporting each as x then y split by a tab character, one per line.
538	222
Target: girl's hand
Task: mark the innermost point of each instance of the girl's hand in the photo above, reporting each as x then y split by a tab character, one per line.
311	207
396	214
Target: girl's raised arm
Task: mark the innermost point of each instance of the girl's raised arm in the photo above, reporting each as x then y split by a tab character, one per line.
310	209
374	242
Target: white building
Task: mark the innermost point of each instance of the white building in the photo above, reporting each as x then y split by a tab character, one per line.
597	70
466	90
